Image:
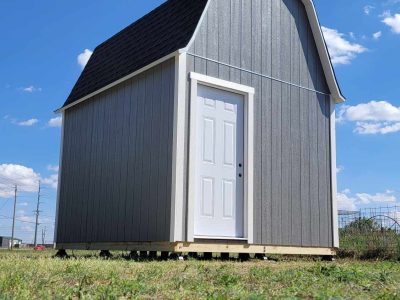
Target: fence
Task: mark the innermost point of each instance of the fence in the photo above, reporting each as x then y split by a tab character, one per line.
370	232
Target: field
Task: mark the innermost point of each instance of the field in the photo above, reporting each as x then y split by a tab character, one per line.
32	275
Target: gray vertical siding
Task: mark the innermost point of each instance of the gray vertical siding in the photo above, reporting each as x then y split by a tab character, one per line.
292	150
117	154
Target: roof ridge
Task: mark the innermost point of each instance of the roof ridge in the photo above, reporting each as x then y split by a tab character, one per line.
141	19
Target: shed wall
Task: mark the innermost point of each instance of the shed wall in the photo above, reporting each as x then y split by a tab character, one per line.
4	242
245	41
116	163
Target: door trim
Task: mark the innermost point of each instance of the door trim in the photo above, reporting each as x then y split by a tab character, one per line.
248	96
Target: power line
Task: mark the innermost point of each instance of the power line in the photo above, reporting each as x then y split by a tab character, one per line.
5	203
19	220
16	181
11	183
47	216
8	184
29	222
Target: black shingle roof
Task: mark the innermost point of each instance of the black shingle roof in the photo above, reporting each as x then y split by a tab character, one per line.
159	33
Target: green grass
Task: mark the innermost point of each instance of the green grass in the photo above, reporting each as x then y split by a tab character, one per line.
32	275
376	244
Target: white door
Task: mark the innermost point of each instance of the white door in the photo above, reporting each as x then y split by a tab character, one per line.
219	205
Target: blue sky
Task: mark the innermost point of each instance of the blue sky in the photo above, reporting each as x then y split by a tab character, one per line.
41	56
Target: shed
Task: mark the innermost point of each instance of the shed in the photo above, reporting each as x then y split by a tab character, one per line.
5	242
205	126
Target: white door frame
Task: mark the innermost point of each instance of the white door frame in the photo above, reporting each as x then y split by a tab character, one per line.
248	93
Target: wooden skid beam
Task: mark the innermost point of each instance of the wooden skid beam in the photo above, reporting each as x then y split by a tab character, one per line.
137	246
252	249
217	247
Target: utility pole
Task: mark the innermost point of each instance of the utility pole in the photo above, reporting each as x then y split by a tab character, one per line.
37	216
43	235
13	222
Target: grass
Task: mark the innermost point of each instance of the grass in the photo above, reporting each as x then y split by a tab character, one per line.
32	275
374	244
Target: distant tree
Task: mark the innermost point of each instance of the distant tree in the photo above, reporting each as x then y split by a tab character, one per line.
362	225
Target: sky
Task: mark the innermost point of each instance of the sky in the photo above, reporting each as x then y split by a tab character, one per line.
45	45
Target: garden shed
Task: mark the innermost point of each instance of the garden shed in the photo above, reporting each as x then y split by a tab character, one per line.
6	242
205	126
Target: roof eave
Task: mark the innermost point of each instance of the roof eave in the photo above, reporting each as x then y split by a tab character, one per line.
323	52
133	74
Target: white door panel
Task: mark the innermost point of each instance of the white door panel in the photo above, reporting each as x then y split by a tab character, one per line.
219	203
208	140
208	192
229	144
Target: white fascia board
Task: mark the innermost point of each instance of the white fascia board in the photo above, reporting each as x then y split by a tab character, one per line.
335	218
203	15
323	52
145	68
178	150
59	177
212	81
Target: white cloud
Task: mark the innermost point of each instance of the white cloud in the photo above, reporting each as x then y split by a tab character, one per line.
27	228
21	215
53	168
377	35
25	178
372	111
341	50
55	122
339	169
367	9
84	57
347	201
51	181
27	123
391	2
393	21
377	128
346	191
374	117
31	89
386	197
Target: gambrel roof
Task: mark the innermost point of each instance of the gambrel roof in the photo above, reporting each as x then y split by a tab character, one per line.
159	33
168	28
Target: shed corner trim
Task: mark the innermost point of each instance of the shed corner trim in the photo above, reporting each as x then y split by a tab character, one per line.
178	151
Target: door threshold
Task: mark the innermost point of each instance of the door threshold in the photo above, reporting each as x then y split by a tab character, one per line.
203	237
